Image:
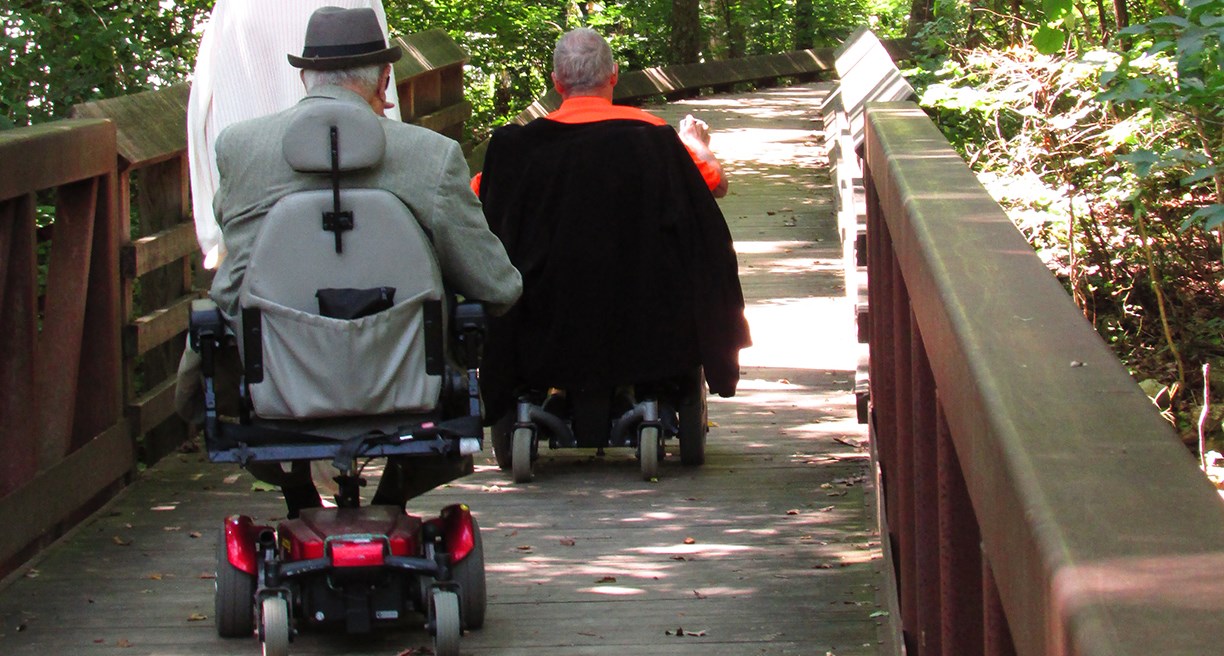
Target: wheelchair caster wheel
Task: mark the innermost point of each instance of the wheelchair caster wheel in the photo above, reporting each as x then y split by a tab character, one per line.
648	452
275	627
444	617
520	460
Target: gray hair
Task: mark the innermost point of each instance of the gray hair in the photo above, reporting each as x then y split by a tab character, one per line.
582	60
363	79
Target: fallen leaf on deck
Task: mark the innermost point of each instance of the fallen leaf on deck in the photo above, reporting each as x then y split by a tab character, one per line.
678	558
793	511
154	577
680	633
567	542
690	541
698	595
524	547
836	494
31	573
196	617
606	579
172	528
195	534
123	542
260	486
827	508
207	575
122	642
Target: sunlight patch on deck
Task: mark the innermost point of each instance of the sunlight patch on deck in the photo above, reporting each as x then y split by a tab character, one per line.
796	335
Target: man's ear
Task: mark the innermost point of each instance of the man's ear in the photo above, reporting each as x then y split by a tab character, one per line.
615	74
556	84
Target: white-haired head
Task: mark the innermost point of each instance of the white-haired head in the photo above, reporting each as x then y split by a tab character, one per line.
582	61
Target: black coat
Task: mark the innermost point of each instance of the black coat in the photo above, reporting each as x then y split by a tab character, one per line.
629	274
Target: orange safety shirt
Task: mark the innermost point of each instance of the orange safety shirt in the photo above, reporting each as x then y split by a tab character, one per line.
590	109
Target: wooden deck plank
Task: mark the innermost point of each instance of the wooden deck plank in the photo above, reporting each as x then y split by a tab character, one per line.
769	548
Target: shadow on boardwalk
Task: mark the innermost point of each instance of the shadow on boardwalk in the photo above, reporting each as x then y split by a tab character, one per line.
767	549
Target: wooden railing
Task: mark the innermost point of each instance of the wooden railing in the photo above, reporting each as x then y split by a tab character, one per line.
88	357
63	438
1035	501
635	87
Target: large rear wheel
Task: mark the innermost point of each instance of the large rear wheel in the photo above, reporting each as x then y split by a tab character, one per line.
694	421
503	434
234	602
469	573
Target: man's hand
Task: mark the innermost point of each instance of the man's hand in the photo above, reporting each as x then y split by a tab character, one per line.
695	134
694	129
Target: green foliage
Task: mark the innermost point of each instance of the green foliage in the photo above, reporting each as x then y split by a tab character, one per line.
1108	159
56	53
511	42
1173	73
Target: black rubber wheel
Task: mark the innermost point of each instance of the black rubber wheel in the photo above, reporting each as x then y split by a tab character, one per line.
469	573
694	421
503	433
234	602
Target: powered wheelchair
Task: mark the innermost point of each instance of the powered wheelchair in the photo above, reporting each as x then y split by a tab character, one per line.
640	417
349	345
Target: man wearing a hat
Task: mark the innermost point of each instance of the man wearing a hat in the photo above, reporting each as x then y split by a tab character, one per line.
346	58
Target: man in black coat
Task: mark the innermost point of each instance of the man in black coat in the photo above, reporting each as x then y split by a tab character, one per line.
629	273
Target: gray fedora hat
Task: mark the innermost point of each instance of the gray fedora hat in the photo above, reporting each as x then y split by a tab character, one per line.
344	38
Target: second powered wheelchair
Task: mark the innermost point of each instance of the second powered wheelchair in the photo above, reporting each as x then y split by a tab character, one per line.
349	346
641	417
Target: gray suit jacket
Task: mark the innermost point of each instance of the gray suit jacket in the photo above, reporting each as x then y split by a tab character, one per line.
424	169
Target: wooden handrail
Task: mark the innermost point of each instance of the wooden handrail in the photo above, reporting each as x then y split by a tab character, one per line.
87	384
62	431
1001	417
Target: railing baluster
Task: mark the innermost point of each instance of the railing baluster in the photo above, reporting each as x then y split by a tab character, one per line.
960	551
925	499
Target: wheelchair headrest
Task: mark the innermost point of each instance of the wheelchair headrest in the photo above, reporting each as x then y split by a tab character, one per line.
307	143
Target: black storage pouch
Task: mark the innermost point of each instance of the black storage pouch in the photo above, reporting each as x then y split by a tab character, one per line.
351	304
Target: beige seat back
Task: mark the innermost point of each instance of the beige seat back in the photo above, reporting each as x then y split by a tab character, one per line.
320	367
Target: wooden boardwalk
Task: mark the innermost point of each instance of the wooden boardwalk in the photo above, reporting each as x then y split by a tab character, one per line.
767	549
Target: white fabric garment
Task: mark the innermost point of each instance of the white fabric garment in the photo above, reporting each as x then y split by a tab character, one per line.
241	73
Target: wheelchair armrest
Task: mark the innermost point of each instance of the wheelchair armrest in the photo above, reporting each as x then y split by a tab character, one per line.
470	323
205	323
470	315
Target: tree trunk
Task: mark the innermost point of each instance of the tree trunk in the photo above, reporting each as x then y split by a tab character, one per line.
733	23
920	14
1105	33
685	31
804	24
1121	21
